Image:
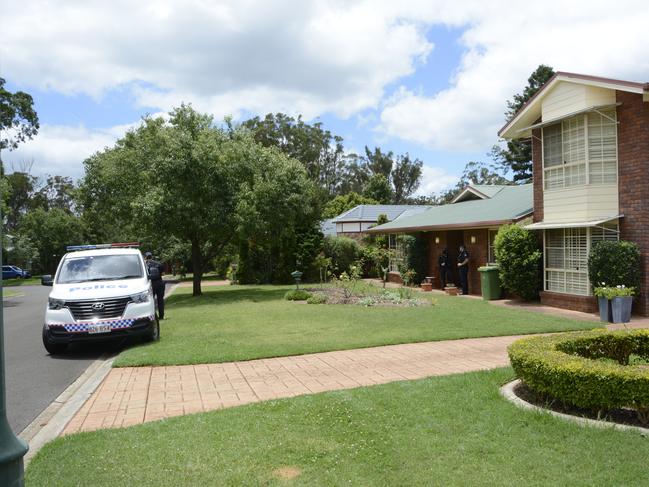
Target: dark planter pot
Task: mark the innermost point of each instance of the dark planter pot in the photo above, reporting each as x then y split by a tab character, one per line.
621	308
605	313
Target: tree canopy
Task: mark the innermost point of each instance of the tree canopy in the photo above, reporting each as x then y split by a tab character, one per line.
18	119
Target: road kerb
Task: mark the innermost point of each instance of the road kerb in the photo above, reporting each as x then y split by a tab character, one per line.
49	424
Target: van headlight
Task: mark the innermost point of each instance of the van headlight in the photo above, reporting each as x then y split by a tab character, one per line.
141	297
53	303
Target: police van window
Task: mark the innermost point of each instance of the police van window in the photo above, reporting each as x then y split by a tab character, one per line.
100	268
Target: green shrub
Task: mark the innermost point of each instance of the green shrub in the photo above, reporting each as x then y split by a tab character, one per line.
519	258
342	251
568	367
416	258
317	298
614	264
297	295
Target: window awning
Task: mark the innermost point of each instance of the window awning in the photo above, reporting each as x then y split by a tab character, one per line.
595	108
582	224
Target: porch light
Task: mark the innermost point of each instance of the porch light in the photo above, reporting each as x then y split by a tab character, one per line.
436	240
472	239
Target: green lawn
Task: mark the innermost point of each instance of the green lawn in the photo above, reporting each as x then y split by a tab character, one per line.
447	431
246	322
32	281
10	293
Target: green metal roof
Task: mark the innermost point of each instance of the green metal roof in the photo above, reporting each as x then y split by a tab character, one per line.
508	203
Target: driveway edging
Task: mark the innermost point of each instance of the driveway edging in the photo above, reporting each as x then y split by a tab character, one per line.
507	391
49	424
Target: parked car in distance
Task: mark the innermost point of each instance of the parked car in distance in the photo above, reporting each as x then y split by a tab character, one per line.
14	272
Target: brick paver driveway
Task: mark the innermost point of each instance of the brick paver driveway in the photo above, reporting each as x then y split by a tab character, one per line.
133	395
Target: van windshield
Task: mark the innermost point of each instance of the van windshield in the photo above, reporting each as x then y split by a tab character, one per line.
100	268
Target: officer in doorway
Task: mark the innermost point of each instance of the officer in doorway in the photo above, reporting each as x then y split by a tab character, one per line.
463	266
444	267
157	283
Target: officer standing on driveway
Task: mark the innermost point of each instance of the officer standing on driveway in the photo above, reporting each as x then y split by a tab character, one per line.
157	283
444	267
463	265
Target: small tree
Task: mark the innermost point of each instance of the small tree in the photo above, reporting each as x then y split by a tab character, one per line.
615	264
519	258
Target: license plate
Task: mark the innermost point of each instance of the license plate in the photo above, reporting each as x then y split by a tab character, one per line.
98	328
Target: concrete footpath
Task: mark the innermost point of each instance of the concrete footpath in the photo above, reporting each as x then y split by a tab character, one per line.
134	395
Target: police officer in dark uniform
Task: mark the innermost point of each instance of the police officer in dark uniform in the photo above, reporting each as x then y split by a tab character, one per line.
444	267
157	283
463	266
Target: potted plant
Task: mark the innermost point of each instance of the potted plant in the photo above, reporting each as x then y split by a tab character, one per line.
621	302
615	303
604	301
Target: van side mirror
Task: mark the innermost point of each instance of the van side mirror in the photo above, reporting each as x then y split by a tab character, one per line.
46	280
154	273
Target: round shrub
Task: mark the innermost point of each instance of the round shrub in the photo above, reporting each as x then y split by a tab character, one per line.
615	264
519	258
317	298
342	251
297	295
571	367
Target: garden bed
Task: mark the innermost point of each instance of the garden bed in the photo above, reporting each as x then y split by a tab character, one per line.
622	416
369	295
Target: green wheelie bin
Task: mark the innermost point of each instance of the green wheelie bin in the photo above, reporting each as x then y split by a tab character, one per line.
490	282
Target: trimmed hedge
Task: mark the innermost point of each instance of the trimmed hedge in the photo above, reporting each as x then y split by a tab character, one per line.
317	298
297	295
568	367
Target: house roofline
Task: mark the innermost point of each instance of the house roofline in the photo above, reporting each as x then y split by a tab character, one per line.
480	224
639	87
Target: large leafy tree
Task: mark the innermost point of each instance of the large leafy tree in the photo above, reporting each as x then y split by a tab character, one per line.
22	188
277	216
18	119
517	157
49	232
317	149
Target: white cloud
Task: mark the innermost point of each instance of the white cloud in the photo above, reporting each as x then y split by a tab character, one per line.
225	57
504	44
434	180
61	149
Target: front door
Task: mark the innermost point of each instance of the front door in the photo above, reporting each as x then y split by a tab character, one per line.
454	238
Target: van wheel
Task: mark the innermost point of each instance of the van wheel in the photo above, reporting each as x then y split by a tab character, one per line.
51	347
154	335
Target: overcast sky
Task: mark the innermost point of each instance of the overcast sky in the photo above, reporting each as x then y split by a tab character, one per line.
428	77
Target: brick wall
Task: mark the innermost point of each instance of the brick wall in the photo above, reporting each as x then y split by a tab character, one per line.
633	182
586	304
537	169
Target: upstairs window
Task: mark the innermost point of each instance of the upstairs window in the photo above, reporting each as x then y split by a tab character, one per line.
580	150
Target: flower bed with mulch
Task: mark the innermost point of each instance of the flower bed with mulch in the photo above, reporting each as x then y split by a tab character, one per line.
400	297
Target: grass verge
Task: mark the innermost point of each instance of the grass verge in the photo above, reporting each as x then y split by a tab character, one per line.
452	431
247	322
30	281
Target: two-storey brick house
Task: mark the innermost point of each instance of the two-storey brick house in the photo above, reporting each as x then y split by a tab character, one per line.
590	145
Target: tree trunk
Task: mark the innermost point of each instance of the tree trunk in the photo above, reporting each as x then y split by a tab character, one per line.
197	268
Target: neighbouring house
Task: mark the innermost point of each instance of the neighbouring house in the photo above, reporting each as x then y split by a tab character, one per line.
590	144
472	220
328	227
354	222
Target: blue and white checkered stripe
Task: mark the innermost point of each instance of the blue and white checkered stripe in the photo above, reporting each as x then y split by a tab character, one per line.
114	325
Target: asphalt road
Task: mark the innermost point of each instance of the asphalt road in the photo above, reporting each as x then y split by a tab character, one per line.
34	378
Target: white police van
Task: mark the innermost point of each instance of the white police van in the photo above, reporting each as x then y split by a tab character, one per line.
99	292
